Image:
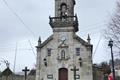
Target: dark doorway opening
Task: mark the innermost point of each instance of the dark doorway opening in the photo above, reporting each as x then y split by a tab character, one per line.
63	74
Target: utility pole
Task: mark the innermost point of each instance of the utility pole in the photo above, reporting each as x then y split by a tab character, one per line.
113	70
15	61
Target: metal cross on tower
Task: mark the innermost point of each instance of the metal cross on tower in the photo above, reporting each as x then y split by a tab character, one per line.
74	70
25	71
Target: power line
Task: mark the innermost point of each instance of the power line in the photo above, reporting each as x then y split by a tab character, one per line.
89	28
19	18
96	32
14	49
97	45
32	48
102	22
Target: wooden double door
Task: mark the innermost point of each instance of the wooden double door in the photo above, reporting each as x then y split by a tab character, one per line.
63	74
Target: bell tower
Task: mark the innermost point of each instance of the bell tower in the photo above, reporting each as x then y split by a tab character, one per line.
64	7
64	15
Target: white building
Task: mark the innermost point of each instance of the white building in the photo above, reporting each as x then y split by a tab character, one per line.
64	55
117	70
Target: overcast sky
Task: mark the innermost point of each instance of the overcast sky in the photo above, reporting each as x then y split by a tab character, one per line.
93	17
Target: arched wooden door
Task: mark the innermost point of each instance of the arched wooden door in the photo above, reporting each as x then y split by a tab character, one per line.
63	74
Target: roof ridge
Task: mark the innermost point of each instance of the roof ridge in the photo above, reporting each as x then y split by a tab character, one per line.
46	41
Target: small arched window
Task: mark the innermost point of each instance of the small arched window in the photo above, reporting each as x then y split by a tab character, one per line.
49	51
63	8
77	51
63	54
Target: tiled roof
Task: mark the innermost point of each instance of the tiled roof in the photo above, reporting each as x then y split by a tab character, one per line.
7	72
45	42
32	72
81	40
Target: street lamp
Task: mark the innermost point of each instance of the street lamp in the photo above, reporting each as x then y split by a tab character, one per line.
113	70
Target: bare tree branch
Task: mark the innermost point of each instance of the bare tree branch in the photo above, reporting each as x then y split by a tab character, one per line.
113	30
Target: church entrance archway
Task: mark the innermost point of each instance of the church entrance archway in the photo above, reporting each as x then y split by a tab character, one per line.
63	74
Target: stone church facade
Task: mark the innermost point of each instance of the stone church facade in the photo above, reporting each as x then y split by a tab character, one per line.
64	55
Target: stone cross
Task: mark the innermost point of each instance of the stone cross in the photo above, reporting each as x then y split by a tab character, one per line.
25	71
74	70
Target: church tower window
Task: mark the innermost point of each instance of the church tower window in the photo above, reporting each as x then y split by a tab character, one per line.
63	54
77	51
49	51
63	9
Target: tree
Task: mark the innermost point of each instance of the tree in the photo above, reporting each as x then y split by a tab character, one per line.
113	30
101	71
106	68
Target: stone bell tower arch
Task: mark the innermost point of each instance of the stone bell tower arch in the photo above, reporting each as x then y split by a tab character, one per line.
67	4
